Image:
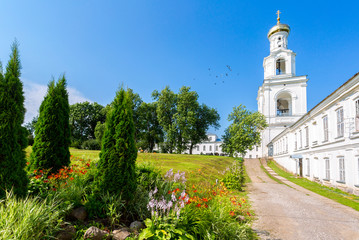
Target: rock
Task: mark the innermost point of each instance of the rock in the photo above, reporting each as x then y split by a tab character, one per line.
67	233
79	213
136	226
121	234
95	233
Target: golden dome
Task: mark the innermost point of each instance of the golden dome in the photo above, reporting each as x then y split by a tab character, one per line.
280	27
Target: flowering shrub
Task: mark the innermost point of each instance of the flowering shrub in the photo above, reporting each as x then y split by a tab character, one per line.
234	177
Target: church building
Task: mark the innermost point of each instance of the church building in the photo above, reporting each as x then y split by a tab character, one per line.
322	144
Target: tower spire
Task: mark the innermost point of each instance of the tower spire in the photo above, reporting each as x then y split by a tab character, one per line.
278	18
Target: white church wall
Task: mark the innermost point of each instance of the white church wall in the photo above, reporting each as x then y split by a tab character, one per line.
325	140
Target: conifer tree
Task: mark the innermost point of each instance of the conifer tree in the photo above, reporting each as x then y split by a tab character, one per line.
12	137
116	170
52	133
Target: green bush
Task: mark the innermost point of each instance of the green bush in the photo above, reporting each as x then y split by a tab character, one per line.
116	168
91	144
234	177
12	134
52	133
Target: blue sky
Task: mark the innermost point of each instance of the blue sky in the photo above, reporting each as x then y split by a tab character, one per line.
153	43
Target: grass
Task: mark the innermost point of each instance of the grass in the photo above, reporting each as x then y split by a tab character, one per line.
335	194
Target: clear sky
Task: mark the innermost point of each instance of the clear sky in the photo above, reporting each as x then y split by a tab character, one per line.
149	44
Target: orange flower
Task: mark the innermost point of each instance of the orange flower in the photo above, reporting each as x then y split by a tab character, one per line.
46	181
248	214
198	205
231	213
27	163
205	205
169	192
71	178
195	190
38	176
205	200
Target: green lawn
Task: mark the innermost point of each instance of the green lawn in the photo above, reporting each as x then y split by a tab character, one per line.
197	167
335	194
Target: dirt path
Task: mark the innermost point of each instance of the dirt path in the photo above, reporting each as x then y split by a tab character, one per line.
292	212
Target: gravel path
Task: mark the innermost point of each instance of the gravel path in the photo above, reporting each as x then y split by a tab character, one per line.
292	212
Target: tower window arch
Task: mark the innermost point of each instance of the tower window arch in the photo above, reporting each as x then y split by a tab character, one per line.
284	104
280	66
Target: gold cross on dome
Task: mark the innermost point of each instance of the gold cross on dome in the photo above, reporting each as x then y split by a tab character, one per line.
278	18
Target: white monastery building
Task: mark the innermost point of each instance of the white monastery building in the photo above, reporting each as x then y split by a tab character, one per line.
322	144
210	147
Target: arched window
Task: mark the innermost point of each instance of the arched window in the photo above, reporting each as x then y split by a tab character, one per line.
280	66
284	104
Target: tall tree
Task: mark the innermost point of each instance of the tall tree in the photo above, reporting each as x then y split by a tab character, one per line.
83	119
205	117
116	169
166	102
136	102
244	132
52	133
150	130
12	137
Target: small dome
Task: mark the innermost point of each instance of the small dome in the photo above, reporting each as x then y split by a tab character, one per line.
280	27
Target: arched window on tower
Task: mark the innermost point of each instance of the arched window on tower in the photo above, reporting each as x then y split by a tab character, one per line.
280	66
284	104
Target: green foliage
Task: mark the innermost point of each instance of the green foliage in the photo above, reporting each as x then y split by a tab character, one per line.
99	131
150	131
91	144
234	178
29	218
244	132
184	121
83	120
116	168
12	134
52	134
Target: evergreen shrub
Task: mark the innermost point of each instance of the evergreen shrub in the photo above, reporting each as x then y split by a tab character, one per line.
116	168
52	133
12	137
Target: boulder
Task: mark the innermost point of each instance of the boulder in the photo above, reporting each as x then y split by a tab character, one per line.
68	232
79	213
95	233
120	234
137	226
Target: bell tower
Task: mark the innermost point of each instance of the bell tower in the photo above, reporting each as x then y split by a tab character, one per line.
282	98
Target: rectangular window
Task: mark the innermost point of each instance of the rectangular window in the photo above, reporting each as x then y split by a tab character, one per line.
300	139
357	115
295	142
327	168
216	148
204	148
341	169
306	136
256	148
340	122
250	156
308	167
325	128
210	148
286	144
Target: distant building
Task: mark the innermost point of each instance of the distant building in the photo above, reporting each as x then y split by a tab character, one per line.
211	146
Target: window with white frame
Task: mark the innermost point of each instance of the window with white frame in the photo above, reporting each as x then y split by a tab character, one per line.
216	148
250	156
357	115
210	148
204	148
340	122
325	128
327	168
300	139
306	136
295	142
341	169
286	144
197	148
308	167
256	148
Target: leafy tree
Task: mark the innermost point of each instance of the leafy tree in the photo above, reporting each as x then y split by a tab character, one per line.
12	137
52	133
83	119
166	102
205	117
150	130
116	169
244	132
30	126
136	102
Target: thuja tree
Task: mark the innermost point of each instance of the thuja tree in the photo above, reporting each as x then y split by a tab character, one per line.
52	133
12	137
116	169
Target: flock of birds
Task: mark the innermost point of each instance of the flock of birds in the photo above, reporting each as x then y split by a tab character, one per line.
222	77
